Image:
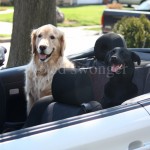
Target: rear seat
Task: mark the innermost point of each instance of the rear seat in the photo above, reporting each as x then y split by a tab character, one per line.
99	77
74	89
147	81
85	84
141	79
103	44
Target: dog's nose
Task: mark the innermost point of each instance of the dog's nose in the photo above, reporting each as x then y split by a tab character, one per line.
43	47
113	59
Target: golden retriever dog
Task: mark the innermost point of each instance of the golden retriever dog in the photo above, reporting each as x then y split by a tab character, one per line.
48	45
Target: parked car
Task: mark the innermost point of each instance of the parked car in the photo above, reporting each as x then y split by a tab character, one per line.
145	6
111	16
121	127
129	2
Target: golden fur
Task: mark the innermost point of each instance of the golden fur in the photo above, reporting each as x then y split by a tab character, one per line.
48	45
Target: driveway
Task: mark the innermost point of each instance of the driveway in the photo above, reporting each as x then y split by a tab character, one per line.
77	38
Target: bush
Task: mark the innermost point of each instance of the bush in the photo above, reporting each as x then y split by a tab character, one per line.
136	31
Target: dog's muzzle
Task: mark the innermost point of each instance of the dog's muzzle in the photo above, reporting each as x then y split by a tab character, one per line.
115	64
42	55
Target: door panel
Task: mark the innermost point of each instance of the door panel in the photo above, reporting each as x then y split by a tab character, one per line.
12	98
107	129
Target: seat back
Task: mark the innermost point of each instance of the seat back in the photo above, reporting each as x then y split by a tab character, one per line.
147	81
107	42
103	44
99	77
72	95
142	79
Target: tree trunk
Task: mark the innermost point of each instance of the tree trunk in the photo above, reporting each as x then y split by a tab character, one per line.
28	14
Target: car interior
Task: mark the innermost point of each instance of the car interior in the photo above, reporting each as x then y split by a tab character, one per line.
74	91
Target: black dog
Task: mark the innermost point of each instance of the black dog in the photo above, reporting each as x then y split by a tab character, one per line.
120	86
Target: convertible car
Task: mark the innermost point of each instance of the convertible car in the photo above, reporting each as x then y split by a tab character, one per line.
73	118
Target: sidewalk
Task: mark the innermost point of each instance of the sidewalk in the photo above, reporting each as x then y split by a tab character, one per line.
6	11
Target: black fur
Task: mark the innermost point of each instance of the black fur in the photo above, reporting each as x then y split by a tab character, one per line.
120	86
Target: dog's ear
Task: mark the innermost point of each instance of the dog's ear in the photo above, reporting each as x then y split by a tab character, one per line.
62	44
33	39
135	58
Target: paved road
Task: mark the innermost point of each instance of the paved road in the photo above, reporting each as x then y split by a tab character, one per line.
77	38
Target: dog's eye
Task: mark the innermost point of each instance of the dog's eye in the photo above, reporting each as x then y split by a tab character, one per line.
52	37
40	35
113	51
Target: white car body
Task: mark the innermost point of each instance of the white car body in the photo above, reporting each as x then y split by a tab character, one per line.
131	2
123	127
144	6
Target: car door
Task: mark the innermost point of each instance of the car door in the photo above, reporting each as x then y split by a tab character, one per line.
12	99
124	127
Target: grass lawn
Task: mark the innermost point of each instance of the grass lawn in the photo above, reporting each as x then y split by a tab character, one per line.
5	35
82	15
74	16
6	17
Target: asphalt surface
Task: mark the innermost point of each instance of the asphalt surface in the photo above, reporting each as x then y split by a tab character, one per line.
77	38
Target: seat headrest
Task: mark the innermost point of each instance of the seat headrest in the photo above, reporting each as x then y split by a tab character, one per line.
107	42
72	86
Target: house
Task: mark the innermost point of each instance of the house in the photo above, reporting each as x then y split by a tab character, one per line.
6	2
81	2
77	2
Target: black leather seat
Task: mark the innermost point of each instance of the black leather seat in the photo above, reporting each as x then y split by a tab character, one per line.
103	44
72	95
77	91
107	42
